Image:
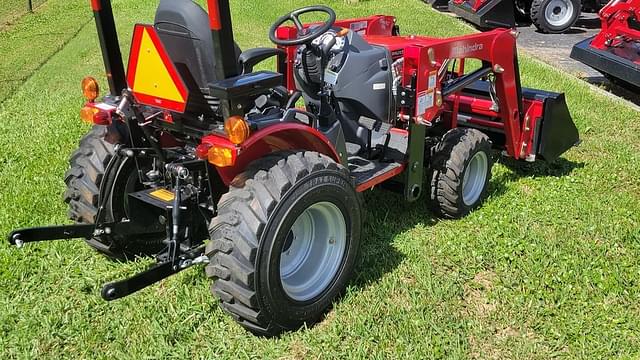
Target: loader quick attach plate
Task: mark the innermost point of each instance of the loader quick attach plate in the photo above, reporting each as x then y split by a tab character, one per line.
607	62
495	13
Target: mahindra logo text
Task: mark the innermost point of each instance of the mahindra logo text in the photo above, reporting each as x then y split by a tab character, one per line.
466	48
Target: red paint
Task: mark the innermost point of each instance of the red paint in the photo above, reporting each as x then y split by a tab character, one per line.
168	117
474	5
158	102
96	5
167	140
202	150
617	36
496	47
284	136
214	15
380	179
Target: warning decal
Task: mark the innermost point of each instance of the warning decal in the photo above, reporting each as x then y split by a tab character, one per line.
163	194
425	102
151	74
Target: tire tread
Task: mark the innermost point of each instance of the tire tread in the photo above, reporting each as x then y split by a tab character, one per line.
241	220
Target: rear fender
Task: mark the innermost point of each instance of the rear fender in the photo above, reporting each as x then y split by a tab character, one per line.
278	137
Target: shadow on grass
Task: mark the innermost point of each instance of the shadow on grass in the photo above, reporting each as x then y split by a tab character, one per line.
558	168
617	87
387	215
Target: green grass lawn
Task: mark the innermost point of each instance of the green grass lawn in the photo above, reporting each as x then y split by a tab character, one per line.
548	267
33	39
11	10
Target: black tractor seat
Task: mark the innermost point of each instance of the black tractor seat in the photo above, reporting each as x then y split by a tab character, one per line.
183	28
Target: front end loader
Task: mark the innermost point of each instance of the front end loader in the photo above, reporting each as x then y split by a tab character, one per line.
615	50
196	158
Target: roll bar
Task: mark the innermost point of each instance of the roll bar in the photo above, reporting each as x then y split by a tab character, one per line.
221	33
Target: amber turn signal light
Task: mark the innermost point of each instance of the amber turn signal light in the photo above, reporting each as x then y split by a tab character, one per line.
222	156
87	113
237	129
92	115
90	88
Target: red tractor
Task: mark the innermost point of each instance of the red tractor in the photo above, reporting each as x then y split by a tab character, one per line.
194	158
549	16
615	51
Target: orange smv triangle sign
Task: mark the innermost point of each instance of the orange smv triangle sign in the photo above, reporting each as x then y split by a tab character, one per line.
151	75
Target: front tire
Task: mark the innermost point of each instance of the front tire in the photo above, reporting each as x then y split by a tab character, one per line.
555	16
460	173
284	243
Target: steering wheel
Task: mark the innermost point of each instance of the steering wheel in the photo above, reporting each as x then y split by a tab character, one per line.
304	35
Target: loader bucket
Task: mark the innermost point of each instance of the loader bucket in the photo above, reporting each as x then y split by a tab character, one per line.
621	62
557	132
485	13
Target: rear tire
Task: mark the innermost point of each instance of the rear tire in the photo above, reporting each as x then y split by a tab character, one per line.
460	172
555	16
88	166
284	243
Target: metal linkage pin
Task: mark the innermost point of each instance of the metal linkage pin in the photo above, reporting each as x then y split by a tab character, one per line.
16	240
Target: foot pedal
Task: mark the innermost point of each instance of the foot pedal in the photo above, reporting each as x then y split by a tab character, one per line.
375	125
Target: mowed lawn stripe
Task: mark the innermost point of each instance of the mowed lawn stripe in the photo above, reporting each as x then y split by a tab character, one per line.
35	37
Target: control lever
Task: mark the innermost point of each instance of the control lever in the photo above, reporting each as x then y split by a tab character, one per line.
180	173
327	45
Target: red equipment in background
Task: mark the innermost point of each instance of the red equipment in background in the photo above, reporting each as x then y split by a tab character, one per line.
615	51
549	16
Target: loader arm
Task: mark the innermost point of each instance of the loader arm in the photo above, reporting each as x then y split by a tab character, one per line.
497	51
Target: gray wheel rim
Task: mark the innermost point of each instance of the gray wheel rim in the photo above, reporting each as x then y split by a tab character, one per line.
313	251
559	12
475	176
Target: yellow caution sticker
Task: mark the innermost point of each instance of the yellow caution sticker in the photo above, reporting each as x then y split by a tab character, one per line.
163	194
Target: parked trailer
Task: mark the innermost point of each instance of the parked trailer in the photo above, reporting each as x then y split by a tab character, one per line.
615	50
549	16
